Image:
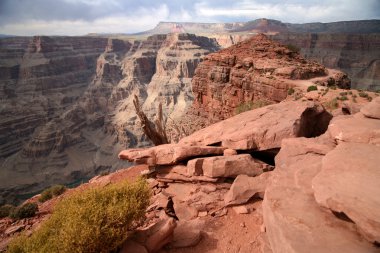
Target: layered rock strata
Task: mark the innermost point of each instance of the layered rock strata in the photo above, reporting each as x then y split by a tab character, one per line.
358	55
252	71
65	96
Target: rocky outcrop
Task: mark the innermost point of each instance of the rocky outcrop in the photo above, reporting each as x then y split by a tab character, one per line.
254	70
350	46
317	190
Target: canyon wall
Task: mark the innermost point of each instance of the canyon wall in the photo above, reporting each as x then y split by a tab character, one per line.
67	102
356	54
350	46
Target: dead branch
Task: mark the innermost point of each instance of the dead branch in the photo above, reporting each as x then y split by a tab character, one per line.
156	132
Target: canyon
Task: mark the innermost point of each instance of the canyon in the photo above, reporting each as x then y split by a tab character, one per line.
267	179
67	102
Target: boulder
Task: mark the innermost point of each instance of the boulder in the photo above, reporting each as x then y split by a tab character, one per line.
355	128
355	165
227	166
187	233
264	128
167	154
154	237
372	110
245	187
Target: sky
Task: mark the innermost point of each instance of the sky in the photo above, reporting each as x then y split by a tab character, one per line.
80	17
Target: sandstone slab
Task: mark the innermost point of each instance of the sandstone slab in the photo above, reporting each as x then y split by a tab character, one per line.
349	183
227	166
293	219
355	128
167	154
264	128
372	110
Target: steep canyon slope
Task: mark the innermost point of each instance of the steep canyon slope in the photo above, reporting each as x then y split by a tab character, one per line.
67	102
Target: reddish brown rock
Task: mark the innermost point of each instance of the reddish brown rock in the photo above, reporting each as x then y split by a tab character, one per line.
356	128
252	70
264	128
245	187
293	219
372	110
227	166
187	233
349	183
167	153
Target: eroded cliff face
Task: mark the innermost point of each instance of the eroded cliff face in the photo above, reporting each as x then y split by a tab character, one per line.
356	54
257	69
67	102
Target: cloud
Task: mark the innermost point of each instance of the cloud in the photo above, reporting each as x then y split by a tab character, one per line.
75	17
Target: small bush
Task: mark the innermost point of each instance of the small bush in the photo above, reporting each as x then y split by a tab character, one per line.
343	93
363	94
51	192
95	220
311	88
332	104
250	105
350	92
342	98
369	98
6	210
333	87
25	211
291	91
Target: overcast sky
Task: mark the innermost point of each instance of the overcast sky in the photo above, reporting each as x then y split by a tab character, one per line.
79	17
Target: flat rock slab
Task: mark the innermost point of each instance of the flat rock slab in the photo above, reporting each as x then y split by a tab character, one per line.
226	166
263	128
245	187
372	110
168	154
294	221
355	128
349	183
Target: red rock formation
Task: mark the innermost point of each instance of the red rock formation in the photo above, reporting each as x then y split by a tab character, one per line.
255	69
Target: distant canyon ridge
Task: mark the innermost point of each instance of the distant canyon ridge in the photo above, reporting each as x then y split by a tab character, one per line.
66	102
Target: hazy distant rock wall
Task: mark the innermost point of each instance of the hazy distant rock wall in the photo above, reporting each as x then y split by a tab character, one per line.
356	54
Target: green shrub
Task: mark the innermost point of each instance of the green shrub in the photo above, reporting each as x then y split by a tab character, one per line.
51	192
311	88
343	93
331	105
363	94
25	211
342	98
6	210
94	220
250	105
291	91
333	87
